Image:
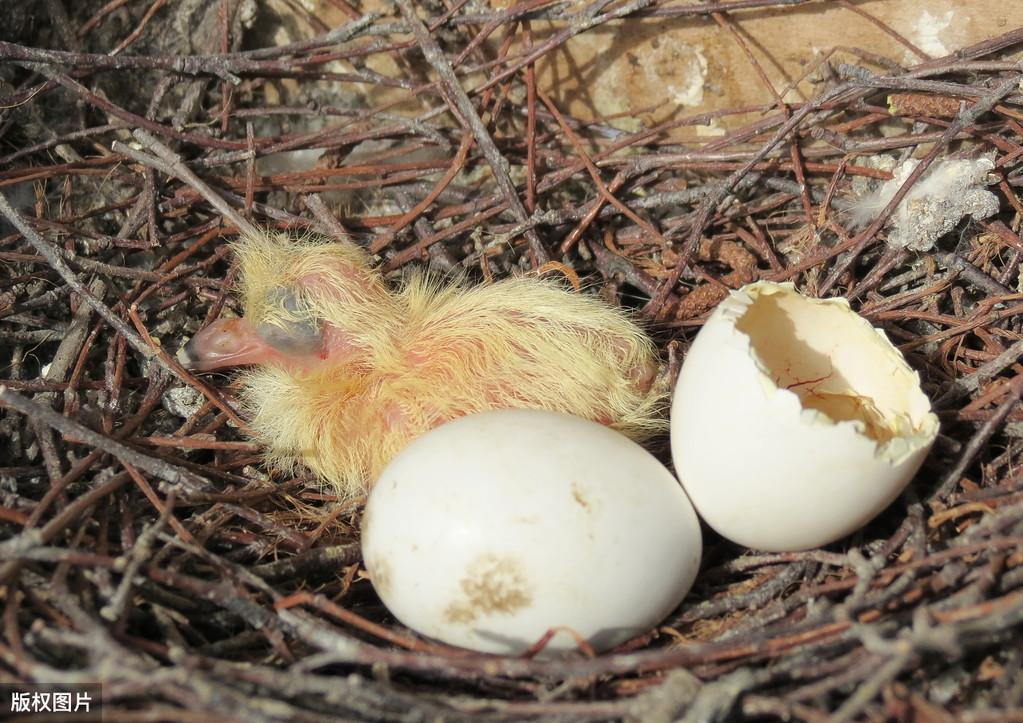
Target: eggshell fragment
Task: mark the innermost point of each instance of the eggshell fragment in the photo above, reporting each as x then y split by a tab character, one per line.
794	421
493	529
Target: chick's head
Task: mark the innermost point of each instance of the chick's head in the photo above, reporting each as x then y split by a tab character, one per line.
306	301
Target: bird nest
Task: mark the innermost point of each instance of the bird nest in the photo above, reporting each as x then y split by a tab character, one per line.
147	549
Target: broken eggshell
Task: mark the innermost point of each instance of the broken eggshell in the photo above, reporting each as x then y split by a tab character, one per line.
493	529
794	421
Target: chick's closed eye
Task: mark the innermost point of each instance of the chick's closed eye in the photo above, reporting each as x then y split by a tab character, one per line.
295	330
292	337
345	372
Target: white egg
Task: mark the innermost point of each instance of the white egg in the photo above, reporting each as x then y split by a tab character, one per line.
794	421
493	529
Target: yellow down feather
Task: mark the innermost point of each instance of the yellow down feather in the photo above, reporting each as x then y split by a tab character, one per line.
426	353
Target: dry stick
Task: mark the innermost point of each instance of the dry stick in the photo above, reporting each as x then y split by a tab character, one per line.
715	196
170	163
225	66
329	224
463	106
506	17
317	560
594	172
527	37
97	18
982	374
984	47
406	218
70	428
596	206
979	440
610	264
149	351
987	101
80	504
565	11
891	258
967	117
106	106
32	537
691	9
797	159
184	65
337	36
440	257
48	252
887	29
134	558
577	23
868	689
137	32
971	273
9	159
726	24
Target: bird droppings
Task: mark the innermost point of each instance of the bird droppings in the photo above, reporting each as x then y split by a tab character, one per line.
182	401
928	29
493	585
949	190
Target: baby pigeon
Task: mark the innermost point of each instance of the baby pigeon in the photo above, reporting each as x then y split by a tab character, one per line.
343	372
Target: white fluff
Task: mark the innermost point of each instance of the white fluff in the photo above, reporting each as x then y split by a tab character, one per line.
949	190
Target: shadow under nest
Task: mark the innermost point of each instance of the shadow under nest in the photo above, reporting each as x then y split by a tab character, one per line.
146	547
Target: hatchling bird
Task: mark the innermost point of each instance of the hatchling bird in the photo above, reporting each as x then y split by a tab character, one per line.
342	371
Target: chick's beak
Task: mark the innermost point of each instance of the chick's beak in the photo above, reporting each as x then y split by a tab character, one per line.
226	342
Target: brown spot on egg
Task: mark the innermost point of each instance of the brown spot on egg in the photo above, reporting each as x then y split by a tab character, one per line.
579	497
492	584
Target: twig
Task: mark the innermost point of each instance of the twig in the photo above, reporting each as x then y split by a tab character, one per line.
70	428
979	440
57	263
466	113
171	164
